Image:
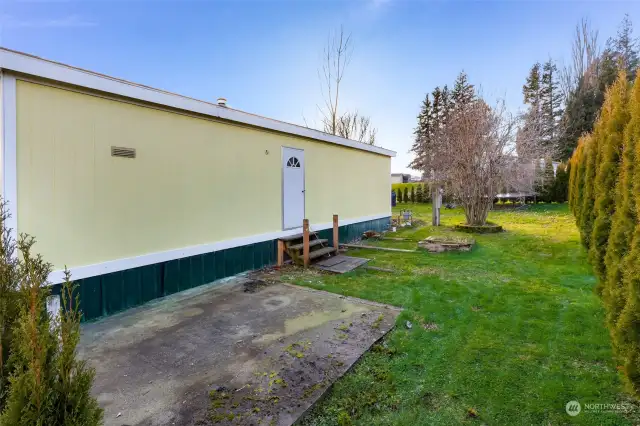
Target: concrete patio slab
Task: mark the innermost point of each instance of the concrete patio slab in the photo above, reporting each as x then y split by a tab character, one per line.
232	353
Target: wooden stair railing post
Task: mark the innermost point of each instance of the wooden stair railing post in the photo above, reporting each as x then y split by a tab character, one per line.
336	241
280	252
305	242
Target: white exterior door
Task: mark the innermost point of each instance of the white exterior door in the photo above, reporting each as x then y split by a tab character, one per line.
292	187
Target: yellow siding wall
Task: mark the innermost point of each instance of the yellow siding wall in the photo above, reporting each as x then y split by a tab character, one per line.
194	181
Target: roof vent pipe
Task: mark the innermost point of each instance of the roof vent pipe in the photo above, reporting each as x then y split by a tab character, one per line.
222	102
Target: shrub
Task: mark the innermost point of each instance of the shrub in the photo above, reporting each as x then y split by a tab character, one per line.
426	193
580	158
398	195
624	218
413	194
614	117
47	385
419	194
561	183
548	182
405	196
587	191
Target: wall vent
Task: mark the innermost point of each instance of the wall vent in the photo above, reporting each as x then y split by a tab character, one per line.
118	151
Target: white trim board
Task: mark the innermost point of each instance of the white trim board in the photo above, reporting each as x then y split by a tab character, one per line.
8	136
39	67
164	256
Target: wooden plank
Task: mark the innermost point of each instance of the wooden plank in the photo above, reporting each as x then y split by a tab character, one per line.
311	244
336	234
321	252
361	246
340	264
305	242
280	252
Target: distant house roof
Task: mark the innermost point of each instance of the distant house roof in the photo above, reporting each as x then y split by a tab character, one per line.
32	65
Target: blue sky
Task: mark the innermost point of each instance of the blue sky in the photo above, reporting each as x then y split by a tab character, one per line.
263	55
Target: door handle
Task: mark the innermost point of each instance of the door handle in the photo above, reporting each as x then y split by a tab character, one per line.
303	191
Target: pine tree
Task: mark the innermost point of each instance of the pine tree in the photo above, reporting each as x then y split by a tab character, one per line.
615	117
413	193
624	219
433	114
550	105
532	88
419	194
422	132
624	48
463	92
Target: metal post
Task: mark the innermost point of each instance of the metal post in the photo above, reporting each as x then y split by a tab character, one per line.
336	241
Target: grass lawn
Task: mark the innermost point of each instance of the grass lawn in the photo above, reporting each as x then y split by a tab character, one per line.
506	334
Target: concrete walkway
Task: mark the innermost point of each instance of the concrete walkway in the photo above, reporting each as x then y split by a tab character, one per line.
228	353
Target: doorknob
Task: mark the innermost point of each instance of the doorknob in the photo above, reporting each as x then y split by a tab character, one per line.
303	191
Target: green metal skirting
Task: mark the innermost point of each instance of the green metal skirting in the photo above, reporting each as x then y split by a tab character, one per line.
110	293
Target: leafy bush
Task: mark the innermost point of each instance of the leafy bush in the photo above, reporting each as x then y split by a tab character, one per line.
604	191
46	384
613	119
413	194
405	196
419	194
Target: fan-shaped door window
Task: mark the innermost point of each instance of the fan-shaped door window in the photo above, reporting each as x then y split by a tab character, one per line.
293	162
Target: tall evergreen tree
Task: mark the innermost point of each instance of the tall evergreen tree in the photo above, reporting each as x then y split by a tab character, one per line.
532	88
576	184
413	193
561	183
624	218
588	189
550	105
614	119
433	113
624	48
583	104
463	92
548	182
422	133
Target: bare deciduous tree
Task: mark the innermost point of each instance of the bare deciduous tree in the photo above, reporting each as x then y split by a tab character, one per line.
585	53
352	125
476	154
335	59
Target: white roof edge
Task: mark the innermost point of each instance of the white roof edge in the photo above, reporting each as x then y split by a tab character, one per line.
32	65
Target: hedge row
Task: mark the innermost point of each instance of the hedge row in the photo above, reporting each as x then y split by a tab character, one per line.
411	192
604	196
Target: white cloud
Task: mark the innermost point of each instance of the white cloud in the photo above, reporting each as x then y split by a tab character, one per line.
71	21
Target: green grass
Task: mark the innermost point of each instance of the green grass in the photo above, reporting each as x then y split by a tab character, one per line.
506	334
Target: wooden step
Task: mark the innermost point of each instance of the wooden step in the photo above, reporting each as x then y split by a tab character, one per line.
311	244
294	237
321	252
